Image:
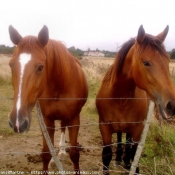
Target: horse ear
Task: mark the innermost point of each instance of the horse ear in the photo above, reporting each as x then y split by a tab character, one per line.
141	34
43	36
14	35
161	36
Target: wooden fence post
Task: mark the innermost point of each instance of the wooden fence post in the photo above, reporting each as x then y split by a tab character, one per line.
142	139
47	137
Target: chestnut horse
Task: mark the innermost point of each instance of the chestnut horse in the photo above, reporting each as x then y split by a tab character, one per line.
44	69
140	71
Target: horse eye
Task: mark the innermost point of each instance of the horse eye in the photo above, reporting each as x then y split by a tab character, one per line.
146	63
40	68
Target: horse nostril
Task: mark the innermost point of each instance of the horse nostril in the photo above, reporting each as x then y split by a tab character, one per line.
170	108
24	126
11	125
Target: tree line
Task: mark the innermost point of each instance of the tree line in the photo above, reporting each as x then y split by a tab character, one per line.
79	53
172	54
76	51
6	49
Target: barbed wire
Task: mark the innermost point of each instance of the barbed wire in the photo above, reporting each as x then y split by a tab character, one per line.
82	125
102	123
77	98
69	146
90	124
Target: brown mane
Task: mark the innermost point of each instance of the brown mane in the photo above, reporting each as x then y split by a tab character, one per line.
62	61
116	67
28	44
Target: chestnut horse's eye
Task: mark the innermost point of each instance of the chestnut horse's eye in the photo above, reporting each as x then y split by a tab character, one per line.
146	63
40	68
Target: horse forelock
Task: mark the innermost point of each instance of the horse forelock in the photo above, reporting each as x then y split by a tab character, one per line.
55	51
29	44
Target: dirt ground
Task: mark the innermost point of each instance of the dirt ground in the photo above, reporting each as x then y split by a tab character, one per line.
21	152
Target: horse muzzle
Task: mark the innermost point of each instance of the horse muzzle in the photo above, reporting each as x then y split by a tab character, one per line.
20	126
168	111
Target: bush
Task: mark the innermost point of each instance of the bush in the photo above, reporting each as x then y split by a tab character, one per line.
6	49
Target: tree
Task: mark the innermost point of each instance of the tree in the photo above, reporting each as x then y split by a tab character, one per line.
72	49
76	52
79	52
172	54
6	49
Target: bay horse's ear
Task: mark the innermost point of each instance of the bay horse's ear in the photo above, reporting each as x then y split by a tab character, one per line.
161	36
14	35
141	34
43	36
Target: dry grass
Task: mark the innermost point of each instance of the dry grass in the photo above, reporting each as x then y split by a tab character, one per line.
172	68
5	72
96	67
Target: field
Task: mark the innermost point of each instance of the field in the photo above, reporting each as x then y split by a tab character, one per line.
21	152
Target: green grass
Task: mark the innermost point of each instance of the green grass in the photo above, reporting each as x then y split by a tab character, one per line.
6	94
159	150
90	108
173	80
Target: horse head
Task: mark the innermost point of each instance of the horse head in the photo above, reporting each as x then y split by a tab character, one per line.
27	67
151	69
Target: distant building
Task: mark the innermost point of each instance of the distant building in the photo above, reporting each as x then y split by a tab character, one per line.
94	54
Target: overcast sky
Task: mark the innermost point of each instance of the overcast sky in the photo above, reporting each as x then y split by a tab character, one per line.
102	24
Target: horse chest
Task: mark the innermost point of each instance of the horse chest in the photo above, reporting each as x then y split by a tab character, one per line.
123	110
60	109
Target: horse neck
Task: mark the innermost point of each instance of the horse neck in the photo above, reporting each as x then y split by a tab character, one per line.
57	69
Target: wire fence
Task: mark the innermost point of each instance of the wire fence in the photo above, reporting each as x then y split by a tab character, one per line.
80	147
22	152
92	151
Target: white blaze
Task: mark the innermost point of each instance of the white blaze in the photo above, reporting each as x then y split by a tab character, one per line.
24	58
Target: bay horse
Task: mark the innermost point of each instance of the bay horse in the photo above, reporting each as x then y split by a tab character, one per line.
139	73
44	69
